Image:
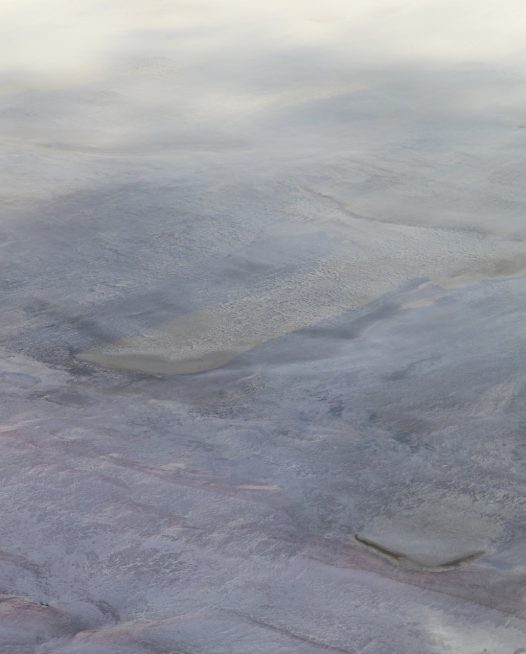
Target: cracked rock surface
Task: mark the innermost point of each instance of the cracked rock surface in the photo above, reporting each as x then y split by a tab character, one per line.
262	338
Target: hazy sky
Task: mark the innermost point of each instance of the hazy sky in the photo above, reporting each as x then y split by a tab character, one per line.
232	61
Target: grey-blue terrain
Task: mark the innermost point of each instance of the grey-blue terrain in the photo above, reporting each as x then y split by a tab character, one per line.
262	328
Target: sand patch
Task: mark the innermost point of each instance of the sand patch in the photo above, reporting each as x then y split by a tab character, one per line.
436	536
369	263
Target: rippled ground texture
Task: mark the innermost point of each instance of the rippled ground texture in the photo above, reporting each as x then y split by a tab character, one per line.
263	337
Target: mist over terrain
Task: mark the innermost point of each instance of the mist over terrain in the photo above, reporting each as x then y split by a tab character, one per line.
262	327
